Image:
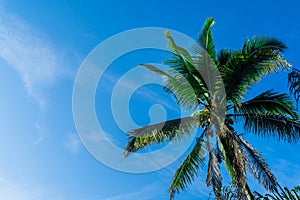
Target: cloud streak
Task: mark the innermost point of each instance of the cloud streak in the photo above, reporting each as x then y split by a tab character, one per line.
146	193
29	53
73	143
20	190
287	177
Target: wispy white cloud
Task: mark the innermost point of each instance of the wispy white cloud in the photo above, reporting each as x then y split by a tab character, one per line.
288	176
29	52
19	190
73	143
146	193
40	133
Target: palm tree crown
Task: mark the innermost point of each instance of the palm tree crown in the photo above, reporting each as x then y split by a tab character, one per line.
211	75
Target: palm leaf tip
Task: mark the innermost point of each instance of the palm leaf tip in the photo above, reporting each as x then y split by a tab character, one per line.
206	38
155	69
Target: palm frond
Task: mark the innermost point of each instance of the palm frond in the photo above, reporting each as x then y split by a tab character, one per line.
183	69
209	74
206	38
187	89
290	194
189	92
296	191
294	83
234	159
285	194
228	161
229	193
163	132
188	170
271	125
206	61
263	43
270	102
259	57
156	70
214	177
258	166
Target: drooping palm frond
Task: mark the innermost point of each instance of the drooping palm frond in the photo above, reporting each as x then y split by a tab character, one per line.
165	131
214	177
235	162
271	125
188	170
294	83
258	166
158	133
227	160
270	102
259	57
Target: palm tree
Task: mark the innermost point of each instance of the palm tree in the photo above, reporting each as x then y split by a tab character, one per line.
269	114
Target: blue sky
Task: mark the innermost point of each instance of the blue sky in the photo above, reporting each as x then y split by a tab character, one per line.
43	43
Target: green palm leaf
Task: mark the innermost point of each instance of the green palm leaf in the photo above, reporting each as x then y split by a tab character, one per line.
188	89
206	38
188	170
270	102
166	131
189	92
271	125
259	57
184	69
